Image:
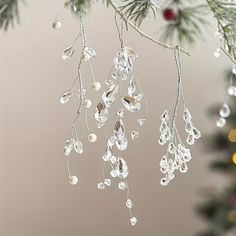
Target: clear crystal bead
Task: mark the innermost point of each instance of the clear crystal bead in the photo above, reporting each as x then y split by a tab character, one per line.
164	181
171	148
109	82
65	98
232	90
96	86
188	126
134	134
113	160
186	115
165	116
138	97
190	139
110	95
131	88
131	104
221	122
73	180
122	169
133	221
101	114
92	138
225	111
122	185
114	173
88	54
101	185
68	53
164	169
183	168
119	129
141	121
87	103
196	133
69	144
129	203
163	126
163	161
162	140
121	112
122	144
108	153
56	25
107	182
78	147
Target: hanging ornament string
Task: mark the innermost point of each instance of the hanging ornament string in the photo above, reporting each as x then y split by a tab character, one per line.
225	110
177	155
77	88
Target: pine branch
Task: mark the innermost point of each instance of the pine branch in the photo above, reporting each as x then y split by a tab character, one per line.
225	14
9	13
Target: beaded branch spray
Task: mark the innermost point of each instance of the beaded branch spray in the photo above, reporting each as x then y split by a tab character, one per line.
177	155
225	110
122	71
77	89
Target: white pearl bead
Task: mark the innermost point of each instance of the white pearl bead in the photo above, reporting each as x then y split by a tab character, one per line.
88	103
73	180
92	138
96	86
56	25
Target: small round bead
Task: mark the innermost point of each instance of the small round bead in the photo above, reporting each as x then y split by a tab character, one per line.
92	138
88	103
96	86
56	25
73	180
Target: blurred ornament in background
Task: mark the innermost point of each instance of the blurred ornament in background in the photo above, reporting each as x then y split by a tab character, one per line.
232	135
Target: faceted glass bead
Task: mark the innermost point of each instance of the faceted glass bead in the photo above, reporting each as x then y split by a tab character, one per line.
68	53
225	111
196	133
141	121
134	134
131	104
107	182
122	169
164	181
73	180
65	98
56	25
113	160
163	126
163	161
108	153
171	148
188	126
109	82
78	147
138	97
221	122
165	116
190	139
133	221
162	140
88	54
164	169
131	88
92	138
119	130
129	203
122	185
110	95
96	86
183	168
69	144
122	144
101	114
114	173
186	115
121	112
101	185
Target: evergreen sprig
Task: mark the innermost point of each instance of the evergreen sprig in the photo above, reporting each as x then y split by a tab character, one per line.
9	13
137	10
225	14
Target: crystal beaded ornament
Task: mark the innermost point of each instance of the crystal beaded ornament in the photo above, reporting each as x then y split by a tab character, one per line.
133	100
177	155
78	91
225	110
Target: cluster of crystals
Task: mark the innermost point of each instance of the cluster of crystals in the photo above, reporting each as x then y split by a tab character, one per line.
119	167
225	110
177	155
123	66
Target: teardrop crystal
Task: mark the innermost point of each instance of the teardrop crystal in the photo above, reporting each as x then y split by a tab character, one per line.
101	114
131	104
119	130
186	115
122	144
109	96
131	88
122	168
88	54
78	147
68	53
65	98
